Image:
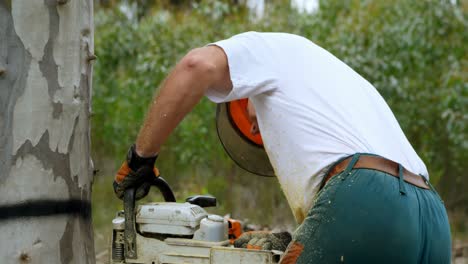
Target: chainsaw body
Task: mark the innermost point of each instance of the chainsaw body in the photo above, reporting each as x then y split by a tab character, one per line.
170	232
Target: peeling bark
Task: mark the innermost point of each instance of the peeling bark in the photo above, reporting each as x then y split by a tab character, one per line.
46	48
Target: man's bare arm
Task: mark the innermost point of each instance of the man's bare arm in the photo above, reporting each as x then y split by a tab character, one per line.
201	69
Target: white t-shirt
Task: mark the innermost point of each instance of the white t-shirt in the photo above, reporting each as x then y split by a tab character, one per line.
312	109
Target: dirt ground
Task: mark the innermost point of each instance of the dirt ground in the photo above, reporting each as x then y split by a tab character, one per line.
460	252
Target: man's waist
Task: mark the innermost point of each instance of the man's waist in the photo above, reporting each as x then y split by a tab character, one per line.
377	163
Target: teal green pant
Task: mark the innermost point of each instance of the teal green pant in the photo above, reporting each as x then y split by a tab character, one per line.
366	216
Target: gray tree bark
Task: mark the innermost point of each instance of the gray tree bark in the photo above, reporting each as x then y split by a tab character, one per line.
46	49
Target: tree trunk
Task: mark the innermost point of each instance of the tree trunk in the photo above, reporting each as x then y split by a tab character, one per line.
46	49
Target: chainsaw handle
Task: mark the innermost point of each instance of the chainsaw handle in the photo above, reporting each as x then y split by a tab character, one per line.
164	188
130	231
129	211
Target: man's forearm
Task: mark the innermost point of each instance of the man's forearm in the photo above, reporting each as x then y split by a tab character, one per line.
180	92
178	95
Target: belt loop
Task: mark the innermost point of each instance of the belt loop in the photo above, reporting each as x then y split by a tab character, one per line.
401	179
432	188
352	163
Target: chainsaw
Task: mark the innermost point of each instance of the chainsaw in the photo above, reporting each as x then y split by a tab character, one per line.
171	232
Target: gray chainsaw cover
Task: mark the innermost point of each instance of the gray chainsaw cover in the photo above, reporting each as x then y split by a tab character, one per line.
169	218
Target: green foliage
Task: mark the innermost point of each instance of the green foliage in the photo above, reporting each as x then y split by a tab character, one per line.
414	52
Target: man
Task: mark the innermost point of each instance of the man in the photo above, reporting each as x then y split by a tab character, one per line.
354	183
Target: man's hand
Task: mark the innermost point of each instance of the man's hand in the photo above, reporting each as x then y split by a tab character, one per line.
136	172
263	240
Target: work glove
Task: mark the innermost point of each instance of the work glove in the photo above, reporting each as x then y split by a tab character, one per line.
263	240
136	172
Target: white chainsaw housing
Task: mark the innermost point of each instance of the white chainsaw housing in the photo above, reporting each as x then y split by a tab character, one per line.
181	233
181	219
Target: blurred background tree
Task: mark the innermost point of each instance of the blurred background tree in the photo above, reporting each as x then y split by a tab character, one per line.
413	52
